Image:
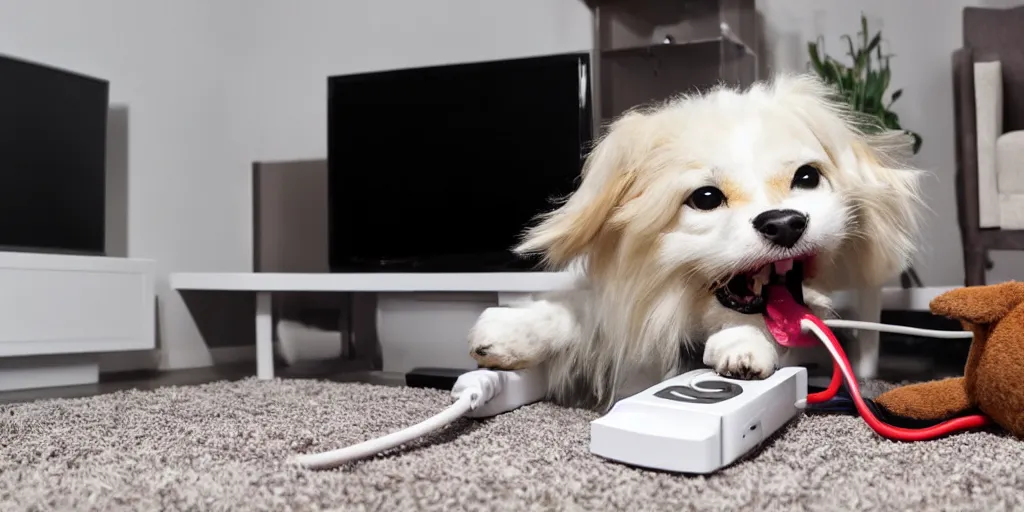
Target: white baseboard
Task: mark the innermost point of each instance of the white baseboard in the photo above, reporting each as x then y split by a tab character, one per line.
48	371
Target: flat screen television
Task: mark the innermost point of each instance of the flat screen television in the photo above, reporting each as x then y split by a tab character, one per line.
441	169
53	132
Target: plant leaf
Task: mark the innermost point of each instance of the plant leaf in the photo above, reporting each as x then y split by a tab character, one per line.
864	84
917	141
864	29
874	92
819	68
891	120
849	43
842	74
895	96
874	43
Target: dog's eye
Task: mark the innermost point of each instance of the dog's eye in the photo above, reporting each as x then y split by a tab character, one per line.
806	177
706	198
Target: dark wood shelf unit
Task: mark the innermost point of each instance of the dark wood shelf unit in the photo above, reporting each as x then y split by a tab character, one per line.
648	51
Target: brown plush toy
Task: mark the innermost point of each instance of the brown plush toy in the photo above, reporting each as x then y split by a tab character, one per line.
993	381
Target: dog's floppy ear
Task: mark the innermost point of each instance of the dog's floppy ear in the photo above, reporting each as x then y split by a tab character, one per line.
885	206
565	234
979	305
882	195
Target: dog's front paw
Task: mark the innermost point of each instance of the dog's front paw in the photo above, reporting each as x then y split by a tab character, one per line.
743	352
506	339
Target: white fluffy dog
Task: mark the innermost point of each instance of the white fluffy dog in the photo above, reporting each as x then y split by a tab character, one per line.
684	211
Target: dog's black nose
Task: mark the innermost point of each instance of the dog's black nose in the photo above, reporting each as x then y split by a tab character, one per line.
781	227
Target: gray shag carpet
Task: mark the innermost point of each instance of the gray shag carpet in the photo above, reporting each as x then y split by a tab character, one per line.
226	445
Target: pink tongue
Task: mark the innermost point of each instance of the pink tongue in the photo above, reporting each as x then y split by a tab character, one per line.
783	317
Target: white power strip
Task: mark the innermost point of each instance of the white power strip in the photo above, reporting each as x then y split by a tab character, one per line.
698	422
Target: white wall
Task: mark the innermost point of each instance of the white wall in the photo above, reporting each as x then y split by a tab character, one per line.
922	34
289	51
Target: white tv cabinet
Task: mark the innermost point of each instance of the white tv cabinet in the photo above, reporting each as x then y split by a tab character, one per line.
58	311
508	287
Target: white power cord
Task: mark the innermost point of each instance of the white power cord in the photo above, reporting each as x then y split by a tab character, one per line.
334	458
898	329
478	394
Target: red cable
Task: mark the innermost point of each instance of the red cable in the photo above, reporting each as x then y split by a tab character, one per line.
885	430
833	386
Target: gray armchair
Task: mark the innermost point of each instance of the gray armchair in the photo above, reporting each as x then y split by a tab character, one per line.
988	90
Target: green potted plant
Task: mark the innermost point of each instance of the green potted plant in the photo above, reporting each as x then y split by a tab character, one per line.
864	84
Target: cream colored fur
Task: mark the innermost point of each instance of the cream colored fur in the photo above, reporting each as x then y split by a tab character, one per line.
644	308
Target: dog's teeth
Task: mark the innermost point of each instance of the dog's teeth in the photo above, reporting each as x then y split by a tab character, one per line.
765	274
757	287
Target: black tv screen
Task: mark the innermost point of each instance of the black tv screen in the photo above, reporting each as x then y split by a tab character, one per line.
440	169
53	130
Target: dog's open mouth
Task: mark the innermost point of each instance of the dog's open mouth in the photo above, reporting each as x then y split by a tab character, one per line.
745	291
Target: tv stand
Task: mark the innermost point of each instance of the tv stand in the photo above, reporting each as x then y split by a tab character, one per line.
58	311
509	287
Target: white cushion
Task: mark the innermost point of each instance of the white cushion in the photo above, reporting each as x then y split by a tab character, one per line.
1010	162
1011	211
988	102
